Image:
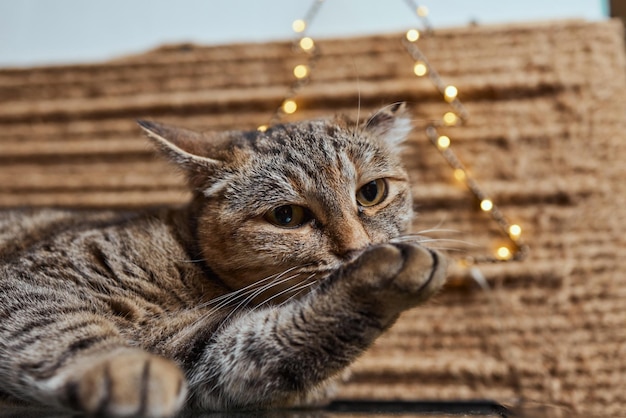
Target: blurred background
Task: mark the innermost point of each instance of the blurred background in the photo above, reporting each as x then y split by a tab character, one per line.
43	32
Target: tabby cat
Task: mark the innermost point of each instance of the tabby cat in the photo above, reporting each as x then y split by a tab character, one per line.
288	262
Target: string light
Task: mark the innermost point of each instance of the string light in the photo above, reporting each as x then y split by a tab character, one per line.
450	119
262	128
486	205
422	11
420	69
307	43
515	231
289	106
443	142
460	114
450	93
503	253
298	25
301	71
412	35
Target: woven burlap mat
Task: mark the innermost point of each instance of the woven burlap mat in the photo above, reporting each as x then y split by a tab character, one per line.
546	139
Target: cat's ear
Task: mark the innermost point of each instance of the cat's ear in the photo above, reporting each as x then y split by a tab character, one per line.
189	150
186	148
391	124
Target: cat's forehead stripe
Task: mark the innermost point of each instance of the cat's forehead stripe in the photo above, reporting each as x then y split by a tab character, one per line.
306	145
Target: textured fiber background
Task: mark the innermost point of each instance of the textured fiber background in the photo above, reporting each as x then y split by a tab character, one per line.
546	139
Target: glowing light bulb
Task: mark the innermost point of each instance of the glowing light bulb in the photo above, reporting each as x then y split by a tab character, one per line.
422	11
301	71
486	205
459	174
412	35
298	25
515	231
450	119
289	106
503	253
262	128
420	69
450	93
307	43
443	142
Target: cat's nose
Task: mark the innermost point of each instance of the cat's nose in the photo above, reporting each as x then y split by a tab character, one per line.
350	239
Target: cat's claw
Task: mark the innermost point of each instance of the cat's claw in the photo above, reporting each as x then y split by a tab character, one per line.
130	383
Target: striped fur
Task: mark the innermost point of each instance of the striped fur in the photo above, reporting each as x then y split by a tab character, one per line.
212	305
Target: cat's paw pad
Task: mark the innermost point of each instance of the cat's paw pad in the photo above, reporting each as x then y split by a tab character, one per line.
128	383
377	266
399	276
423	272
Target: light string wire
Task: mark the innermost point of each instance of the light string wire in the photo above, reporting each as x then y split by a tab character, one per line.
517	250
302	44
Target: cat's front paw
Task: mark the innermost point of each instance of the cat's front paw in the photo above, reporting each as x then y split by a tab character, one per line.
396	277
127	383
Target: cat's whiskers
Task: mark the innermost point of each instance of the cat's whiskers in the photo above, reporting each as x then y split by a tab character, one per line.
236	296
244	290
245	296
257	293
233	296
295	288
314	283
435	229
421	239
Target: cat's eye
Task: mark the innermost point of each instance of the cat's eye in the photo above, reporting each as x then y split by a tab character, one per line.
288	216
372	193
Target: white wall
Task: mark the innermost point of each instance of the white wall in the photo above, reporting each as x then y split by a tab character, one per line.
36	32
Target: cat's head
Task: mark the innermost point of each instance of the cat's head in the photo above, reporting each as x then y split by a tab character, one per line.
300	198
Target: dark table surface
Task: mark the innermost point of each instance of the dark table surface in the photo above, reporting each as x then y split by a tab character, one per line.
338	409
